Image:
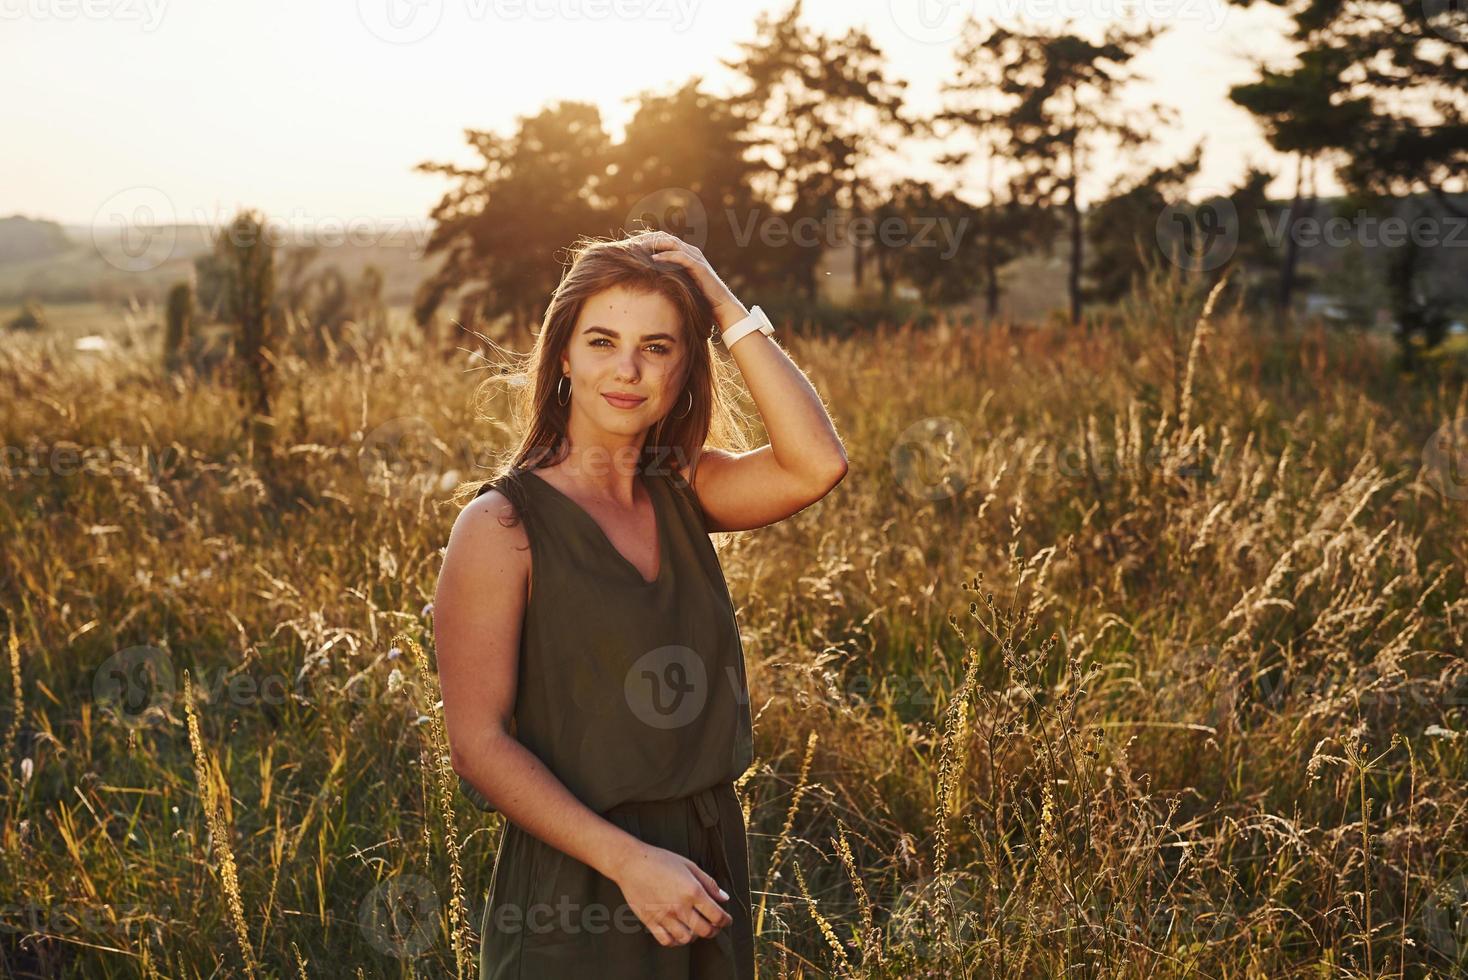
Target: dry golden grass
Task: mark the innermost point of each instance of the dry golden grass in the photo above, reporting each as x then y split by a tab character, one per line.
1166	679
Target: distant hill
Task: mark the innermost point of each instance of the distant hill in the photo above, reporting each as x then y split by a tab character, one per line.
45	261
77	263
23	238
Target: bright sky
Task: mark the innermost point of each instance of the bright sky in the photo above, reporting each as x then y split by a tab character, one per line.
316	112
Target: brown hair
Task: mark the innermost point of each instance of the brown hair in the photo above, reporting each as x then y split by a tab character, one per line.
597	264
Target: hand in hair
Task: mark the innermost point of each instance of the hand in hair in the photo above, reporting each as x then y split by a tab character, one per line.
670	248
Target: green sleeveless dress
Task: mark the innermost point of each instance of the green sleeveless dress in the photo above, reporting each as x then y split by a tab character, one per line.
633	693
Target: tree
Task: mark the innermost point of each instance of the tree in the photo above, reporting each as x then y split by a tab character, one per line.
974	104
818	110
1062	98
180	312
1125	224
942	259
1397	76
1256	252
245	260
369	309
682	167
325	301
1299	111
30	318
530	196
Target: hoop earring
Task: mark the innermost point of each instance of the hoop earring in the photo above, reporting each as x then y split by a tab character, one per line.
690	405
567	399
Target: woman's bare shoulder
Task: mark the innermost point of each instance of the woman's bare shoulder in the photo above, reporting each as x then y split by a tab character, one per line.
491	503
489	538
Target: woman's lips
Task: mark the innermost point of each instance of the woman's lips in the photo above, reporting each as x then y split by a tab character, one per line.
623	401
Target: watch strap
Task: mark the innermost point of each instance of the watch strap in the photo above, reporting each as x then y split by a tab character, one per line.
756	320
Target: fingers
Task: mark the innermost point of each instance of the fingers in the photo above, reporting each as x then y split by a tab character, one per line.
711	913
674	931
706	902
678	932
663	922
697	916
709	884
678	247
701	921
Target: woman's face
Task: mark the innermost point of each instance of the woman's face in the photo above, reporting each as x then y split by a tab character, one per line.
626	342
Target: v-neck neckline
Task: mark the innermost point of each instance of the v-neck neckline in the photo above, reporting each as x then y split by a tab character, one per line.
657	514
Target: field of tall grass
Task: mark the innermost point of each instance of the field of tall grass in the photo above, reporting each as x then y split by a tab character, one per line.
1130	651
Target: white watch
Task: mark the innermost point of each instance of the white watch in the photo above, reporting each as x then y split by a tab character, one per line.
755	321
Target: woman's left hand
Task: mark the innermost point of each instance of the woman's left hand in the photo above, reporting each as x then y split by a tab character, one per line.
670	248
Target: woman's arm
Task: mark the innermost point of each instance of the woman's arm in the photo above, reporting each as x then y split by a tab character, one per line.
478	609
804	458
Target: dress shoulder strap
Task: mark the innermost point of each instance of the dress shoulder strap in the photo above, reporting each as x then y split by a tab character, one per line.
511	483
682	490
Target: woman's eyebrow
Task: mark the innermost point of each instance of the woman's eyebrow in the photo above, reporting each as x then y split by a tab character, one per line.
612	333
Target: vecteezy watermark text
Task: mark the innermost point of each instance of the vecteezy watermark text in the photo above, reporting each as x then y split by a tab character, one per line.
148	12
410	21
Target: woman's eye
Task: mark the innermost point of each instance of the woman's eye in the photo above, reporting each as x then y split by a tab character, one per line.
660	348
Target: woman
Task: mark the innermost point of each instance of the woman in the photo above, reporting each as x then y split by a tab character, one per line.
593	678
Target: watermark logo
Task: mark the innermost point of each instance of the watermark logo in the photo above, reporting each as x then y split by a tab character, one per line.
399	450
135	229
1444	918
676	210
136	685
931	21
938	913
67	459
399	916
400	21
833	228
1210	13
1447	18
680	212
73	918
1445	457
410	21
1199	237
545	923
1363	229
932	458
667	687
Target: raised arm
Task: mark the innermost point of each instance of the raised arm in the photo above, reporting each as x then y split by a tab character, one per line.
804	458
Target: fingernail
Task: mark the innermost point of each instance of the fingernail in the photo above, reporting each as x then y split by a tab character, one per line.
723	894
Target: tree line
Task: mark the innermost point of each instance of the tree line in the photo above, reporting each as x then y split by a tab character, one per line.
818	119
